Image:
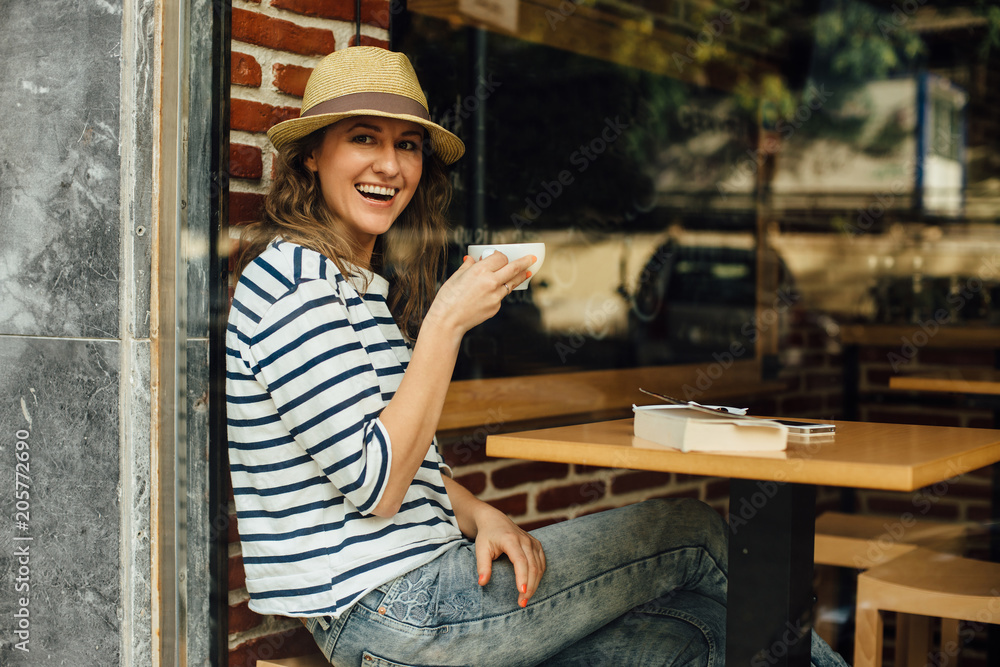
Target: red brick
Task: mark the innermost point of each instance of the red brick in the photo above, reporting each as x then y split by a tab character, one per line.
244	70
291	79
245	161
289	644
281	35
257	116
974	491
541	523
569	496
244	207
520	473
368	41
237	575
241	618
373	12
465	451
474	482
636	481
511	505
687	493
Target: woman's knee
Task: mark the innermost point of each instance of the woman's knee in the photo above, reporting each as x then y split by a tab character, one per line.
691	517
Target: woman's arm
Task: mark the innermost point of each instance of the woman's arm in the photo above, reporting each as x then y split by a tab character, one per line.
471	296
495	534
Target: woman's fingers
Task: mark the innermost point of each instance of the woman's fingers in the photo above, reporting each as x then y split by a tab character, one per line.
528	559
511	273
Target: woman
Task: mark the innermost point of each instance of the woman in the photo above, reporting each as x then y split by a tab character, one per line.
348	516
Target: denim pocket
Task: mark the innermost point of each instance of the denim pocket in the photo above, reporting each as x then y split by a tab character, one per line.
372	660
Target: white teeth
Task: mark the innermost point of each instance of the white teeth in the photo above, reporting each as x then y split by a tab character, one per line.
376	190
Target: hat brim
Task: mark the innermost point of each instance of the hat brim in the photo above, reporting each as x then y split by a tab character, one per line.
445	145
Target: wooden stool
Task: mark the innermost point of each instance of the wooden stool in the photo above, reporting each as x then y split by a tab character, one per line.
929	584
305	661
863	541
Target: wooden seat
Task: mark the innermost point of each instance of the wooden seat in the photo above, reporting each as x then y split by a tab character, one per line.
863	541
316	660
929	584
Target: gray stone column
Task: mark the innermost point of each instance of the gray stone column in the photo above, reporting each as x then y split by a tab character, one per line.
77	121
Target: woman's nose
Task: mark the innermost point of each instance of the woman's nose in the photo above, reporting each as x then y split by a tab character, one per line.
386	161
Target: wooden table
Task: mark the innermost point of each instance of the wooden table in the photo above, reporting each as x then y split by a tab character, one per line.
772	505
981	381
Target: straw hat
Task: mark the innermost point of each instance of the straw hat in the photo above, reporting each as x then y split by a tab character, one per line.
365	81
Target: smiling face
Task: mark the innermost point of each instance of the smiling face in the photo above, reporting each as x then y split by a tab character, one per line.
368	169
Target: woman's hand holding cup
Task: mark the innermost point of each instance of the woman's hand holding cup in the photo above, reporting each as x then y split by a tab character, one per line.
473	294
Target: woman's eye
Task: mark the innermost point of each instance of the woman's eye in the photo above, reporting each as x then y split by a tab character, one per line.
409	145
363	139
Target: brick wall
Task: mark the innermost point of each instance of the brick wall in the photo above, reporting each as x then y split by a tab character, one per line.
276	43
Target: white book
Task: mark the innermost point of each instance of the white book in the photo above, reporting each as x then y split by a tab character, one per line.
694	428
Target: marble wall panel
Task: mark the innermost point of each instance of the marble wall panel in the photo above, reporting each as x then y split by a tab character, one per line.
64	395
138	115
136	489
200	531
59	171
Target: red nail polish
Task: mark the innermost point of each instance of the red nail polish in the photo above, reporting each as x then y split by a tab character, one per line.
524	588
465	258
528	276
481	577
523	603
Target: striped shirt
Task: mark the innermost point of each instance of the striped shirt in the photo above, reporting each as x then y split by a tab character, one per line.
312	359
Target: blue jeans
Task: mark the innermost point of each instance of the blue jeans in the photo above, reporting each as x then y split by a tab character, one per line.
640	585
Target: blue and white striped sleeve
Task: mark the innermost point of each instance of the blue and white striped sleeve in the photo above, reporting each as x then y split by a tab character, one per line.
312	360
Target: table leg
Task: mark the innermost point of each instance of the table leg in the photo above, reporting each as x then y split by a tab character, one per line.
770	601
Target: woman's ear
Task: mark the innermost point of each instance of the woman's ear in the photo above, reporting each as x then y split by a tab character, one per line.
310	162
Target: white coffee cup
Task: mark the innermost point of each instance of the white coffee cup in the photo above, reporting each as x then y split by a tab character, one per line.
512	251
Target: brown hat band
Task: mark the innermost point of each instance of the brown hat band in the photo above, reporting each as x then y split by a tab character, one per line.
385	102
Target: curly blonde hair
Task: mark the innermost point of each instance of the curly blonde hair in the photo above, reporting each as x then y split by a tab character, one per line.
410	255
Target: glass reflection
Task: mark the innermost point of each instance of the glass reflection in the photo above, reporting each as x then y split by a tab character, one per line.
695	170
